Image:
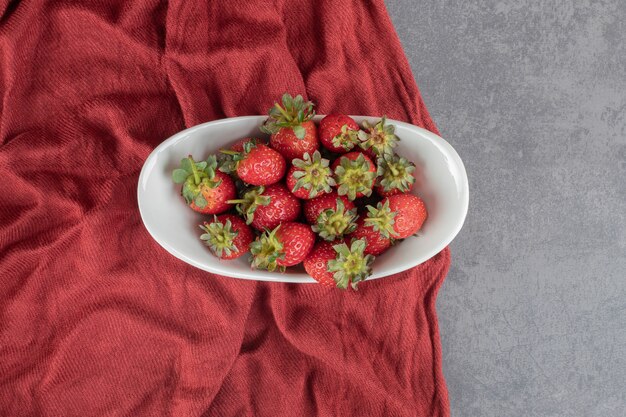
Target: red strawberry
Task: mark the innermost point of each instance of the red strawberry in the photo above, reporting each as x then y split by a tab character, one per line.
290	146
287	245
378	139
226	161
355	174
331	215
293	133
227	236
267	207
205	190
316	264
310	177
395	175
376	243
258	164
410	214
338	133
337	264
376	228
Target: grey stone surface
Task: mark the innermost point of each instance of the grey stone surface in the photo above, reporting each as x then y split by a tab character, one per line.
532	94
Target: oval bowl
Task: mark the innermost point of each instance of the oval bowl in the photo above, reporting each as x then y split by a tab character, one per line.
441	181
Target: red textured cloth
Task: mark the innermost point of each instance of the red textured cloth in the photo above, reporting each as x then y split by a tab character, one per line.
97	319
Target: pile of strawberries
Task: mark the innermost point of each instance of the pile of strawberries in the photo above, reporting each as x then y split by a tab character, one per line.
298	202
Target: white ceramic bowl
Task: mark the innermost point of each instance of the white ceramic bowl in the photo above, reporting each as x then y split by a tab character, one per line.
441	181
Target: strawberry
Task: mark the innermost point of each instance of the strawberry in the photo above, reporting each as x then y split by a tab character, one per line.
257	164
227	236
204	189
376	243
316	264
293	133
287	244
395	175
267	207
338	133
226	161
376	228
331	215
333	223
355	174
410	214
310	177
378	139
336	264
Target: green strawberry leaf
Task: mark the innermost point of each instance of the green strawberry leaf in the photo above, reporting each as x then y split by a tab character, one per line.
179	175
298	101
200	201
185	164
299	131
287	101
189	192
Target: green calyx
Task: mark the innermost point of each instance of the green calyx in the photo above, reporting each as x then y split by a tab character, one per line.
346	139
219	237
332	224
226	163
291	114
313	174
395	172
195	176
251	199
228	160
351	265
354	177
379	138
266	250
381	219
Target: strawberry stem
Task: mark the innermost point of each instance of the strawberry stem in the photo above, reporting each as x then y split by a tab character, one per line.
196	174
283	112
229	152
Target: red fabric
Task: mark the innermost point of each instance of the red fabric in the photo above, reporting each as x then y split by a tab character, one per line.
96	318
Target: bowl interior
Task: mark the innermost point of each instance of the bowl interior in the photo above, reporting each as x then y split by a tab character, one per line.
441	182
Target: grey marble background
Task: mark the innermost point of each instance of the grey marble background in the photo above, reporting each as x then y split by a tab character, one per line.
532	94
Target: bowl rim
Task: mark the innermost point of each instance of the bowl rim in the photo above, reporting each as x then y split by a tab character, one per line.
221	270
